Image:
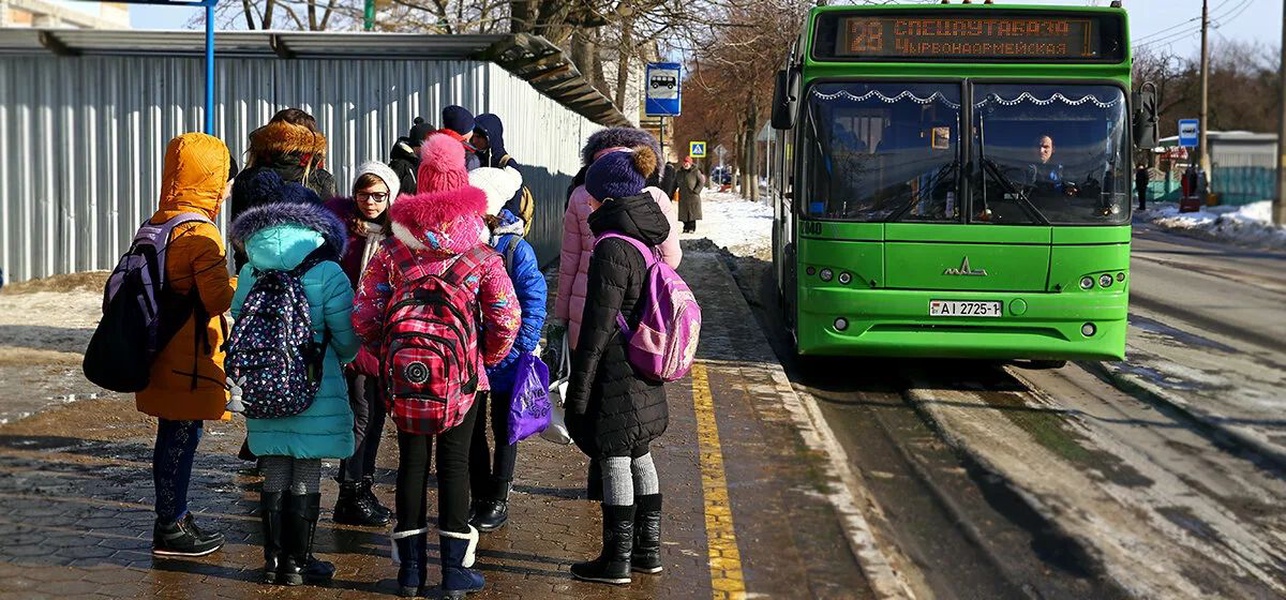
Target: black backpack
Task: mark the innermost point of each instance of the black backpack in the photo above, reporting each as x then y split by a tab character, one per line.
141	314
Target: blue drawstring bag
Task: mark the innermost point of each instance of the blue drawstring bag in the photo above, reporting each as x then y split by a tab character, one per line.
530	407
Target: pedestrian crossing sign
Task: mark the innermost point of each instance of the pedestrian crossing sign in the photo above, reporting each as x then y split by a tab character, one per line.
697	149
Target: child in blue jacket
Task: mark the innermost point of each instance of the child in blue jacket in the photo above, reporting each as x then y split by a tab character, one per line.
491	477
279	236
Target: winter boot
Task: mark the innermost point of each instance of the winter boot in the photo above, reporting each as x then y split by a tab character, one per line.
183	538
368	490
300	565
492	513
613	564
457	550
646	557
413	564
354	508
270	504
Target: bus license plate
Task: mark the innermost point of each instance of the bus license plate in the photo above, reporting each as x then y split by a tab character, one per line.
954	308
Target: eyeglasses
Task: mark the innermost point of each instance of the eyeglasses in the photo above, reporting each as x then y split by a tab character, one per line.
375	196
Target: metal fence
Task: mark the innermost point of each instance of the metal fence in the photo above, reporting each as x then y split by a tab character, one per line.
82	138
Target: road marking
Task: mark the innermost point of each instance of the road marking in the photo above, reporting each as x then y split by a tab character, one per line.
725	559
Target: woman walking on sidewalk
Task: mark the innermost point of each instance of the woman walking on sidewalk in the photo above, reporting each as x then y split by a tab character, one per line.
366	215
297	236
421	304
491	478
186	385
613	414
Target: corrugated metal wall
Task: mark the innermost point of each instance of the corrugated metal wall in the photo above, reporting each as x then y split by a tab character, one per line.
82	139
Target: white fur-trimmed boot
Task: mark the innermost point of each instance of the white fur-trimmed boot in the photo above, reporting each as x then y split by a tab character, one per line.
458	552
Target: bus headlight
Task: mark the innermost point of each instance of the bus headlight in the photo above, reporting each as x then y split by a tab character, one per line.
841	324
827	274
845	278
1088	330
1105	280
1087	282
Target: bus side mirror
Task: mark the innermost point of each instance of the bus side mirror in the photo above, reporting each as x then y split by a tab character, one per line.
1146	117
783	101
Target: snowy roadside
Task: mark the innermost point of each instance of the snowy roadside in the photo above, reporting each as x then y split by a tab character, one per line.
44	328
1249	225
743	227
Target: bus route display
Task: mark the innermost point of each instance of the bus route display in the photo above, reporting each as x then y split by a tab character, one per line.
928	37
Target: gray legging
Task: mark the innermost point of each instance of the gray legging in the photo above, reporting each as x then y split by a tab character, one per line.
301	475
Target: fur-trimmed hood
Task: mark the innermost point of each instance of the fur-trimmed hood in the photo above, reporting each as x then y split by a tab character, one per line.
618	137
443	223
312	217
279	138
510	224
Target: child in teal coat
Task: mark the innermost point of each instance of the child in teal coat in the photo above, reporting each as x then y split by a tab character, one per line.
278	237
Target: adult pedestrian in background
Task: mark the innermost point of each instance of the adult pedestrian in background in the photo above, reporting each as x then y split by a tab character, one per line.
489	141
578	245
1141	186
404	157
366	216
187	380
691	181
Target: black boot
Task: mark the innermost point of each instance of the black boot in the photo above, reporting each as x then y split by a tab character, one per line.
354	508
613	564
413	565
458	551
646	557
270	504
491	513
368	490
299	564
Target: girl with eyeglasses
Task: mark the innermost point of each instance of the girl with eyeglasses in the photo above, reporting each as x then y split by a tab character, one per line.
366	216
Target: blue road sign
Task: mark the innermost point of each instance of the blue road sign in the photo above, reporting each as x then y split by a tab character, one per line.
1189	130
697	149
662	88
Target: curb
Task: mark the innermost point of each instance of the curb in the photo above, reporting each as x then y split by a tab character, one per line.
1153	394
884	578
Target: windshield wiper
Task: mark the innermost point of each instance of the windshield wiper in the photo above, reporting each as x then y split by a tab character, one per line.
932	184
1010	189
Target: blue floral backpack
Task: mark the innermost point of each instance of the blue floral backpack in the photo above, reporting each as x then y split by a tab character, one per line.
273	359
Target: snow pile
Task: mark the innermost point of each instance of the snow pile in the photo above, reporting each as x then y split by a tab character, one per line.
735	223
1250	224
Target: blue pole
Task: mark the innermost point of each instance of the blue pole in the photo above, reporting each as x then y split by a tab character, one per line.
209	67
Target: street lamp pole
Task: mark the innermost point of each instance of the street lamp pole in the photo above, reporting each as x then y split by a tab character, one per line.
1279	202
1202	143
368	22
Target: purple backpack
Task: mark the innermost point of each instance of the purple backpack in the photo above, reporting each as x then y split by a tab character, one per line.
141	314
663	346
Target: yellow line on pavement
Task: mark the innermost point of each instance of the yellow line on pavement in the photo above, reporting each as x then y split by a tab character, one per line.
725	559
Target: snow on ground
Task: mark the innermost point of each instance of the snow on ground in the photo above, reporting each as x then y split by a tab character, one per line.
1248	225
735	223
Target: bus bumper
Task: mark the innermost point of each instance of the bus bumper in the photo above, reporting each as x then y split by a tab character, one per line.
1039	326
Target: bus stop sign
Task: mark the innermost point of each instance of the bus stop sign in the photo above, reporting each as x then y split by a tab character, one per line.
662	88
1189	129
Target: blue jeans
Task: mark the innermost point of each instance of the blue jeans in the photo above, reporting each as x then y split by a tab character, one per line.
172	458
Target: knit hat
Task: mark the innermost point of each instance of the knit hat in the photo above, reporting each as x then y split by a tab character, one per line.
385	174
420	130
498	184
620	174
457	119
298	194
441	165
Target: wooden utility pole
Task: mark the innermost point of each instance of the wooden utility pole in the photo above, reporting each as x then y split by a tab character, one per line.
1279	202
1203	148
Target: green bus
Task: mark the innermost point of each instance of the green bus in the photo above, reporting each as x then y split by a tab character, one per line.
954	181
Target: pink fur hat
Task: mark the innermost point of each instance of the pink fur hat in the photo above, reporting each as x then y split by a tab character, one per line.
442	165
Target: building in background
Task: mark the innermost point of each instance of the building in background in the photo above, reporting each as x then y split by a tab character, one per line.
50	14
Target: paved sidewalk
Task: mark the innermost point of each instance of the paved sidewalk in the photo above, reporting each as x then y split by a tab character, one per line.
745	515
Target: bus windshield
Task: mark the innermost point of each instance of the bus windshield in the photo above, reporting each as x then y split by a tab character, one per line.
1049	154
879	152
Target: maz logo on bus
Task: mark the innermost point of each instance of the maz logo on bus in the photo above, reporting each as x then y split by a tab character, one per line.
812	228
965	270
